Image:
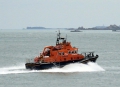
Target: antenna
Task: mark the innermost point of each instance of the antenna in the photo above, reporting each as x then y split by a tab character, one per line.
66	37
58	37
59	34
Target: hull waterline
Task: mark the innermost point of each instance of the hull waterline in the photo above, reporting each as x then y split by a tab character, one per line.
42	66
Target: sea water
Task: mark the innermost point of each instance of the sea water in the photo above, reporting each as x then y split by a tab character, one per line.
18	45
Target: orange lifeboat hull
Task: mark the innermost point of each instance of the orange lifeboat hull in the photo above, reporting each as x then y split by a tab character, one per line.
42	66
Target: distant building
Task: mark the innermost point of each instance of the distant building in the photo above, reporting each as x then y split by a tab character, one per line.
100	27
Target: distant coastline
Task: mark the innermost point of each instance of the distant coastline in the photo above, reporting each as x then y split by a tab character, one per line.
35	28
110	27
41	28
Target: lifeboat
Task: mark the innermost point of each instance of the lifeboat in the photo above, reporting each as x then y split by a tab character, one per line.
59	55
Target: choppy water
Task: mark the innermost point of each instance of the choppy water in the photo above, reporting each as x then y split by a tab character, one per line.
18	45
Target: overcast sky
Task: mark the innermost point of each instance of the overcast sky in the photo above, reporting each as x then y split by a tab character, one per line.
18	14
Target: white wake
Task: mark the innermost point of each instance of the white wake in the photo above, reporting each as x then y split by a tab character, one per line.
76	67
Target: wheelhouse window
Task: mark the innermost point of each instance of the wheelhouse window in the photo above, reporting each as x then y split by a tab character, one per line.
69	52
61	53
72	52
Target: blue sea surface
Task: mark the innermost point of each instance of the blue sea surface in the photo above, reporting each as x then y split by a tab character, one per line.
18	45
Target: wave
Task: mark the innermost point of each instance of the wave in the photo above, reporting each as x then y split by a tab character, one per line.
75	67
15	69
